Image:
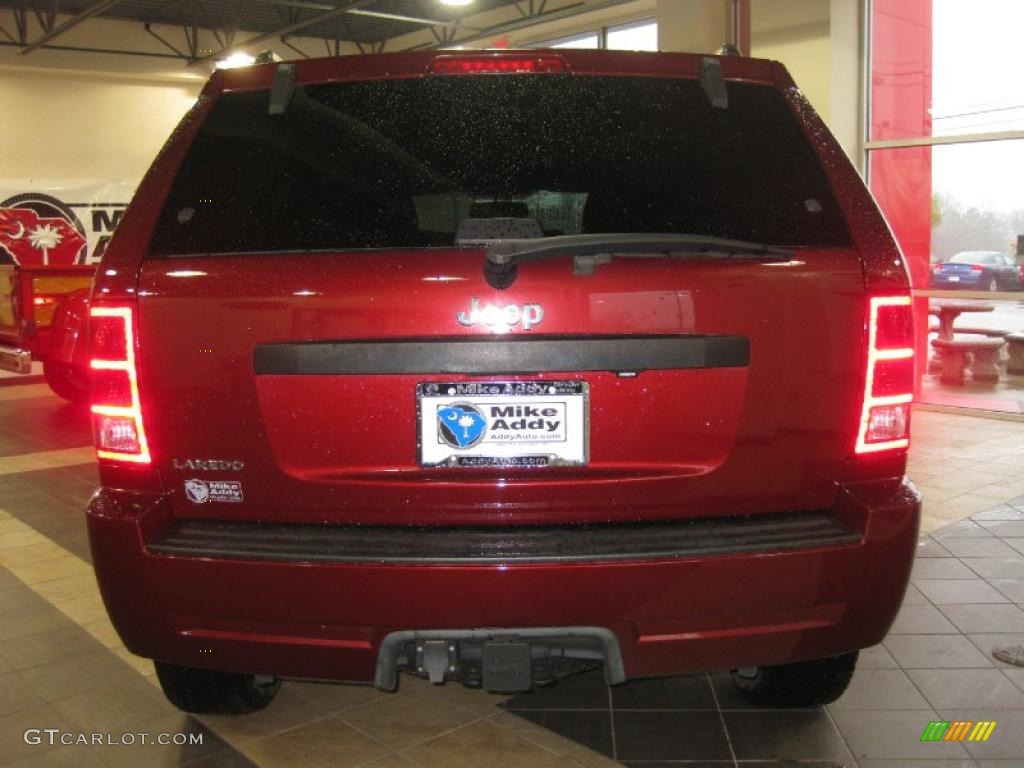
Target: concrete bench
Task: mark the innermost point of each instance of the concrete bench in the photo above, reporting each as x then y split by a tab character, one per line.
990	332
1015	350
935	360
981	353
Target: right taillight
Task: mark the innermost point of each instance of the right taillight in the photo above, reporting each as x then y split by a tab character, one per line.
114	388
889	377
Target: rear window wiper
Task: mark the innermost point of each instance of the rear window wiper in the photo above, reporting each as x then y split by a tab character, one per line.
587	251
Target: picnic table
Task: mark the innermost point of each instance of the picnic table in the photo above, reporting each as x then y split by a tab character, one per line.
952	355
949	311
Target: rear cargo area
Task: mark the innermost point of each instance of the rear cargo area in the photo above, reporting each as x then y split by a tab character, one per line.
330	346
770	434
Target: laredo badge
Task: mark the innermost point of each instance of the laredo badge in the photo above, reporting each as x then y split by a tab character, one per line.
202	491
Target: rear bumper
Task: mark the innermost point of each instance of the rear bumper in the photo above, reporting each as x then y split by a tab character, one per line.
669	614
15	360
963	282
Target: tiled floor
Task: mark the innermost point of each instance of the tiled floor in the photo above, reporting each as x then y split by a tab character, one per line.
966	595
62	666
965	465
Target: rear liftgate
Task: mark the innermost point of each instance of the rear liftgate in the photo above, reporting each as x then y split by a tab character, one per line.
498	660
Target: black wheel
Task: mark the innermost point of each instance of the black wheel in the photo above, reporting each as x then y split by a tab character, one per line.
211	692
993	284
67	381
804	684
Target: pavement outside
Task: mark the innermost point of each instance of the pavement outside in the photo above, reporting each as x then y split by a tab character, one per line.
1005	395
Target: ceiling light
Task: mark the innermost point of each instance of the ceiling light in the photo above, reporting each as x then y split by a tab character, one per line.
456	3
237	59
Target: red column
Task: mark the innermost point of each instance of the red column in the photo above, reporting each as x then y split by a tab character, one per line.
900	102
741	25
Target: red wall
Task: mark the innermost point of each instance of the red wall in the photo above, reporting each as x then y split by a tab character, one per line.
900	100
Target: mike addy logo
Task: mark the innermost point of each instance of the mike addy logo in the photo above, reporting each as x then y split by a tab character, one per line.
203	491
461	425
465	425
40	231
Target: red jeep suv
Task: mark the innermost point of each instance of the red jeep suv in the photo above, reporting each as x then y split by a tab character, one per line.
489	366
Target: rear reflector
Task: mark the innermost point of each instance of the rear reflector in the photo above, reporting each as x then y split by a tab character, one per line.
107	336
895	327
888	422
889	376
500	63
114	390
110	387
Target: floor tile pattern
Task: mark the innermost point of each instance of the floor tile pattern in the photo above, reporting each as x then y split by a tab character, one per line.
62	665
934	665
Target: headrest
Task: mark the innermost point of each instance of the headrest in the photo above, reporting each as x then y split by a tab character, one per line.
482	231
500	209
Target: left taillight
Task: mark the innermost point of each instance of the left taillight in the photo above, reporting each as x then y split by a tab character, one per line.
889	376
117	425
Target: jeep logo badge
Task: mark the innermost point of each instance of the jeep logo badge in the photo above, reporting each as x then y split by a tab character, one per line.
501	318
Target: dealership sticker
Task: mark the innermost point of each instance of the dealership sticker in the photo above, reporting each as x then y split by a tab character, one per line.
202	491
502	424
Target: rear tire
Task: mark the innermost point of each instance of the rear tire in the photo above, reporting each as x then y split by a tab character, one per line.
67	381
803	684
206	691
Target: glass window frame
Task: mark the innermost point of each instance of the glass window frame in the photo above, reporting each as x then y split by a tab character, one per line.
566	41
870	145
609	30
600	32
924	296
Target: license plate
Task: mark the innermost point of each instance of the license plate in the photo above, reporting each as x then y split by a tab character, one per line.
954	278
503	424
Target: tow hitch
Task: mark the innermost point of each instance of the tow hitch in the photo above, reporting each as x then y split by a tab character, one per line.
498	660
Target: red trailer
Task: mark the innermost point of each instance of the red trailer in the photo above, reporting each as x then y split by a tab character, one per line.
42	311
52	234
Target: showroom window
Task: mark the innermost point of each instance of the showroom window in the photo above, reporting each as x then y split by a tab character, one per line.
635	36
945	133
589	40
641	36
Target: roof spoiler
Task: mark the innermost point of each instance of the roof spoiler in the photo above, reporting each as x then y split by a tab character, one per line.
283	89
713	83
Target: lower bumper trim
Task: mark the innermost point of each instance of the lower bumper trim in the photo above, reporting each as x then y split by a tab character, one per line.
478	545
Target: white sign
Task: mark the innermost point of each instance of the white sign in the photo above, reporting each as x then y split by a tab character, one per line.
496	424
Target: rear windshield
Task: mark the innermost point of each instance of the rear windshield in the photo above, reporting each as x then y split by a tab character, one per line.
446	161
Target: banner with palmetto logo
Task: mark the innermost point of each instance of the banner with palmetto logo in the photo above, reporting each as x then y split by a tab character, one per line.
59	223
